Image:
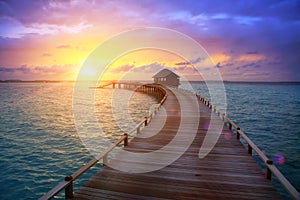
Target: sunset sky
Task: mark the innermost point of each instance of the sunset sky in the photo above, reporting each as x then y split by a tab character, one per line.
247	40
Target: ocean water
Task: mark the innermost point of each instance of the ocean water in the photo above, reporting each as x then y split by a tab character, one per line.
38	139
40	145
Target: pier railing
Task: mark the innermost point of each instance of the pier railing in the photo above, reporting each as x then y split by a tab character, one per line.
67	183
271	169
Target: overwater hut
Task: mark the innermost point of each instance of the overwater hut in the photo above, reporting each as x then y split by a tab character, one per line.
167	77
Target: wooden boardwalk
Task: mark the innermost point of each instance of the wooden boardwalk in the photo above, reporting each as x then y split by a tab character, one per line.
227	172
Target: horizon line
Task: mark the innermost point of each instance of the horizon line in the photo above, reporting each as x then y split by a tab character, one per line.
202	81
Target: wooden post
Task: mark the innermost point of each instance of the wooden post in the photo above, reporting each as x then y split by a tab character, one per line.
237	133
69	189
146	121
138	130
105	160
268	171
249	149
126	139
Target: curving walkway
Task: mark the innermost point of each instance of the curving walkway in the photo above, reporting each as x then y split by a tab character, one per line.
176	134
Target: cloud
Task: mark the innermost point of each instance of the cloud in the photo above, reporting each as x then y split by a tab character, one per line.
121	69
22	68
183	63
252	52
218	65
12	28
46	55
150	68
249	65
35	72
64	46
192	62
53	69
145	69
228	64
250	57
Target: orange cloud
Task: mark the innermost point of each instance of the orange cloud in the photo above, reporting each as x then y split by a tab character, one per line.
250	57
220	57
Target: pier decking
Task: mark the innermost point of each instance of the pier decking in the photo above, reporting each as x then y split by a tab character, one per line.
227	172
176	129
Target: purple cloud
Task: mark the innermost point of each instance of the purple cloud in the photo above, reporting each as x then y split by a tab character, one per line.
218	65
183	63
22	68
252	52
249	65
39	72
197	60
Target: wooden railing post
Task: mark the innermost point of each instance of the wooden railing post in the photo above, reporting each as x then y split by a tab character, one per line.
126	139
146	121
237	133
105	159
138	130
249	149
268	171
69	189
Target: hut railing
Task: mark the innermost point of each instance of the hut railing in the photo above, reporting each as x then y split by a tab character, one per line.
271	169
67	184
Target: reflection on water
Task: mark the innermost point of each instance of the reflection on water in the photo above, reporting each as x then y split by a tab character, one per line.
39	143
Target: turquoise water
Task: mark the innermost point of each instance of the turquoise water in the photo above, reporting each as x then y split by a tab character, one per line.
40	146
38	140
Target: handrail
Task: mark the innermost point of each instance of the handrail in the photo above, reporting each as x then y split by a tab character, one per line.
83	169
163	93
270	168
67	184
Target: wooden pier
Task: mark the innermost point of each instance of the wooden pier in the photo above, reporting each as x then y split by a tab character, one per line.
228	172
121	84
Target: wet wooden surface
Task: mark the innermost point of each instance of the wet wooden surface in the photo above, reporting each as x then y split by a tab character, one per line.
227	172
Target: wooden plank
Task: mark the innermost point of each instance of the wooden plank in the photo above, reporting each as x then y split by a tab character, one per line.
228	172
